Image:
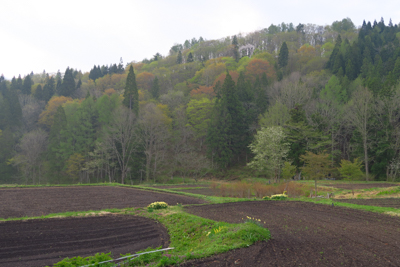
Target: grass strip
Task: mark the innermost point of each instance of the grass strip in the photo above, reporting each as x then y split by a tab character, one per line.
385	210
192	237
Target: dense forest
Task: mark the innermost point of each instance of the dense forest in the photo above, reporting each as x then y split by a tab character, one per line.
332	89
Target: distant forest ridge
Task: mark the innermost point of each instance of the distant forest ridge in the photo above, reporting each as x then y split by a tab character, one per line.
332	89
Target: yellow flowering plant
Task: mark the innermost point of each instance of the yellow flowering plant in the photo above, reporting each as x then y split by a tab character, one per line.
277	197
158	205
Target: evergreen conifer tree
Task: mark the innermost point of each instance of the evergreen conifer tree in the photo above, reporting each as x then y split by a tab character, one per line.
68	84
189	58
155	89
283	55
19	83
48	89
27	85
235	49
226	136
179	59
39	92
131	94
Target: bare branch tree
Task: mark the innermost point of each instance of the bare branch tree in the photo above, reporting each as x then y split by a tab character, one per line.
32	145
120	136
359	111
155	130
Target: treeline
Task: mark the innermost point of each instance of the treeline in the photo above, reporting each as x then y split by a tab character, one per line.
332	89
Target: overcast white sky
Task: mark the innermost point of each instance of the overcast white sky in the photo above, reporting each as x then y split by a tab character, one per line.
52	35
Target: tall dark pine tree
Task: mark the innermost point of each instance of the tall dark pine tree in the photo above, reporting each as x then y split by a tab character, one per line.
10	109
68	84
131	94
39	92
79	84
14	85
19	83
283	56
155	89
27	85
121	66
189	58
48	89
226	137
179	59
235	48
58	82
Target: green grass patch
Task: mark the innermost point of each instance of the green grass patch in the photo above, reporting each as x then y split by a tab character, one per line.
349	205
196	237
191	237
395	190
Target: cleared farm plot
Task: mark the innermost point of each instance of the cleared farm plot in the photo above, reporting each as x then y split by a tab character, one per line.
307	234
45	242
21	202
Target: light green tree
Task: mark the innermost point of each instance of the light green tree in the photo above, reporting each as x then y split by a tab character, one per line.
316	166
351	171
199	116
270	150
276	115
288	170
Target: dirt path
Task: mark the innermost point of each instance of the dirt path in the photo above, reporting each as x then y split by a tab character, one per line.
44	242
21	202
307	234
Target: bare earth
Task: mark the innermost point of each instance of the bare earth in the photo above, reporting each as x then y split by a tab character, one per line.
45	242
21	202
307	234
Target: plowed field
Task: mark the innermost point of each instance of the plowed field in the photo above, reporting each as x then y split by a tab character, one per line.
44	242
379	202
307	234
21	202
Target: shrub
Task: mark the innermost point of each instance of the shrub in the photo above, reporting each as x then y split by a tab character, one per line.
157	205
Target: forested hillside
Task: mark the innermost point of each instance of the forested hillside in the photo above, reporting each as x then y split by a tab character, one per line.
333	89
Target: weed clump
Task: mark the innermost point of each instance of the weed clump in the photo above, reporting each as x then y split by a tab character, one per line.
157	205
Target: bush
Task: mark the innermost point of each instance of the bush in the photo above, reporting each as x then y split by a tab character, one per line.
157	205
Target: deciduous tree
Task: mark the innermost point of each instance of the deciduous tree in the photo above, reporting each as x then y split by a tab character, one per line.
270	150
316	166
359	111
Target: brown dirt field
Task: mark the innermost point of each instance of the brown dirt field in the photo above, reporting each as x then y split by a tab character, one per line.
21	202
380	202
47	241
308	234
360	186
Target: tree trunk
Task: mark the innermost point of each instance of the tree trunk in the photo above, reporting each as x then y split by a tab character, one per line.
366	159
316	192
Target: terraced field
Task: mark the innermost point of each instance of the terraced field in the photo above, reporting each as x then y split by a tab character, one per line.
47	241
307	234
21	202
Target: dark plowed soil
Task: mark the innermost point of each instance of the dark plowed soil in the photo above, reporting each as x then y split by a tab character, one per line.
360	186
307	234
380	202
45	242
20	202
